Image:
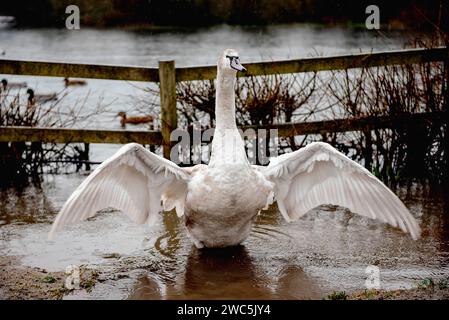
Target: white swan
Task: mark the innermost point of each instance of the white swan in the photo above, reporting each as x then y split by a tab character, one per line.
219	201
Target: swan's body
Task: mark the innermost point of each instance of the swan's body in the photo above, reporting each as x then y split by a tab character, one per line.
218	212
219	201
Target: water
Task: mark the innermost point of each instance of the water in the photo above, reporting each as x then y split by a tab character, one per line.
329	249
192	47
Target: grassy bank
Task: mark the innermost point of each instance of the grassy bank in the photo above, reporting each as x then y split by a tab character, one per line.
427	289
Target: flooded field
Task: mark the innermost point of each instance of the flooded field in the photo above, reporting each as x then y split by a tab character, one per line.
327	250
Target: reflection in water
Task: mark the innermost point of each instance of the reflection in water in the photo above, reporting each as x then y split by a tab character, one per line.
169	243
227	274
37	202
26	205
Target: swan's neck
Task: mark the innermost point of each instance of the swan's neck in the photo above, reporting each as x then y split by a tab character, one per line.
227	146
225	102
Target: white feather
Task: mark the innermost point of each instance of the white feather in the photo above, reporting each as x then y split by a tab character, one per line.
319	174
134	181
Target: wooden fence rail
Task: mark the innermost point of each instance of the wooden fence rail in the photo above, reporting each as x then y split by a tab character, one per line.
55	135
167	75
354	124
138	73
59	69
351	61
60	135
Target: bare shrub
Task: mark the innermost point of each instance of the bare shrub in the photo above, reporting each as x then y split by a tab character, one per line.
411	149
20	161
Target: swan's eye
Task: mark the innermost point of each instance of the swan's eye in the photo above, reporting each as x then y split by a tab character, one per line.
231	58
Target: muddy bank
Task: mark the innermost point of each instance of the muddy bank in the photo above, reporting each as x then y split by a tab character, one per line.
411	294
19	282
27	283
419	293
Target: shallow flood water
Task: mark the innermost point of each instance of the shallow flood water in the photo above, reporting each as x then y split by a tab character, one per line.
327	250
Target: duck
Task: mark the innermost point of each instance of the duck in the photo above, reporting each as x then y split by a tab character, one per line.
133	120
12	85
68	82
218	202
40	98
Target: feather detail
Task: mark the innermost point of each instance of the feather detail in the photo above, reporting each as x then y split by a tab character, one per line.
319	174
133	180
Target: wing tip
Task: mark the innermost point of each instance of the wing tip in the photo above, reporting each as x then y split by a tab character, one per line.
415	233
51	234
284	211
56	225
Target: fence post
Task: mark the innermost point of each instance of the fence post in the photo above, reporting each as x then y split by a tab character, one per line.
445	177
169	119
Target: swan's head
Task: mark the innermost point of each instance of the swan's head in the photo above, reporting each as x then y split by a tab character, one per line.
230	62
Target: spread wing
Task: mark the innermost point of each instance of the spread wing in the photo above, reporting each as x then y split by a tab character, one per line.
133	180
319	174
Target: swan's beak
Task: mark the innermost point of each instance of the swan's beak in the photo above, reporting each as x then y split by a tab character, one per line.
235	64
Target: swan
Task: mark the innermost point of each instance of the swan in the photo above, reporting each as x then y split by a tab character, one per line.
218	202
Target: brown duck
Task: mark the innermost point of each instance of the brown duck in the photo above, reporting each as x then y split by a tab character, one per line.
133	120
69	82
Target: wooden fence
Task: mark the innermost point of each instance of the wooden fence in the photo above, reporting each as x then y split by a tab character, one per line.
167	75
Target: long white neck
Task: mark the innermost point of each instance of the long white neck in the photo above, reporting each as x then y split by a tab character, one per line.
227	146
225	101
